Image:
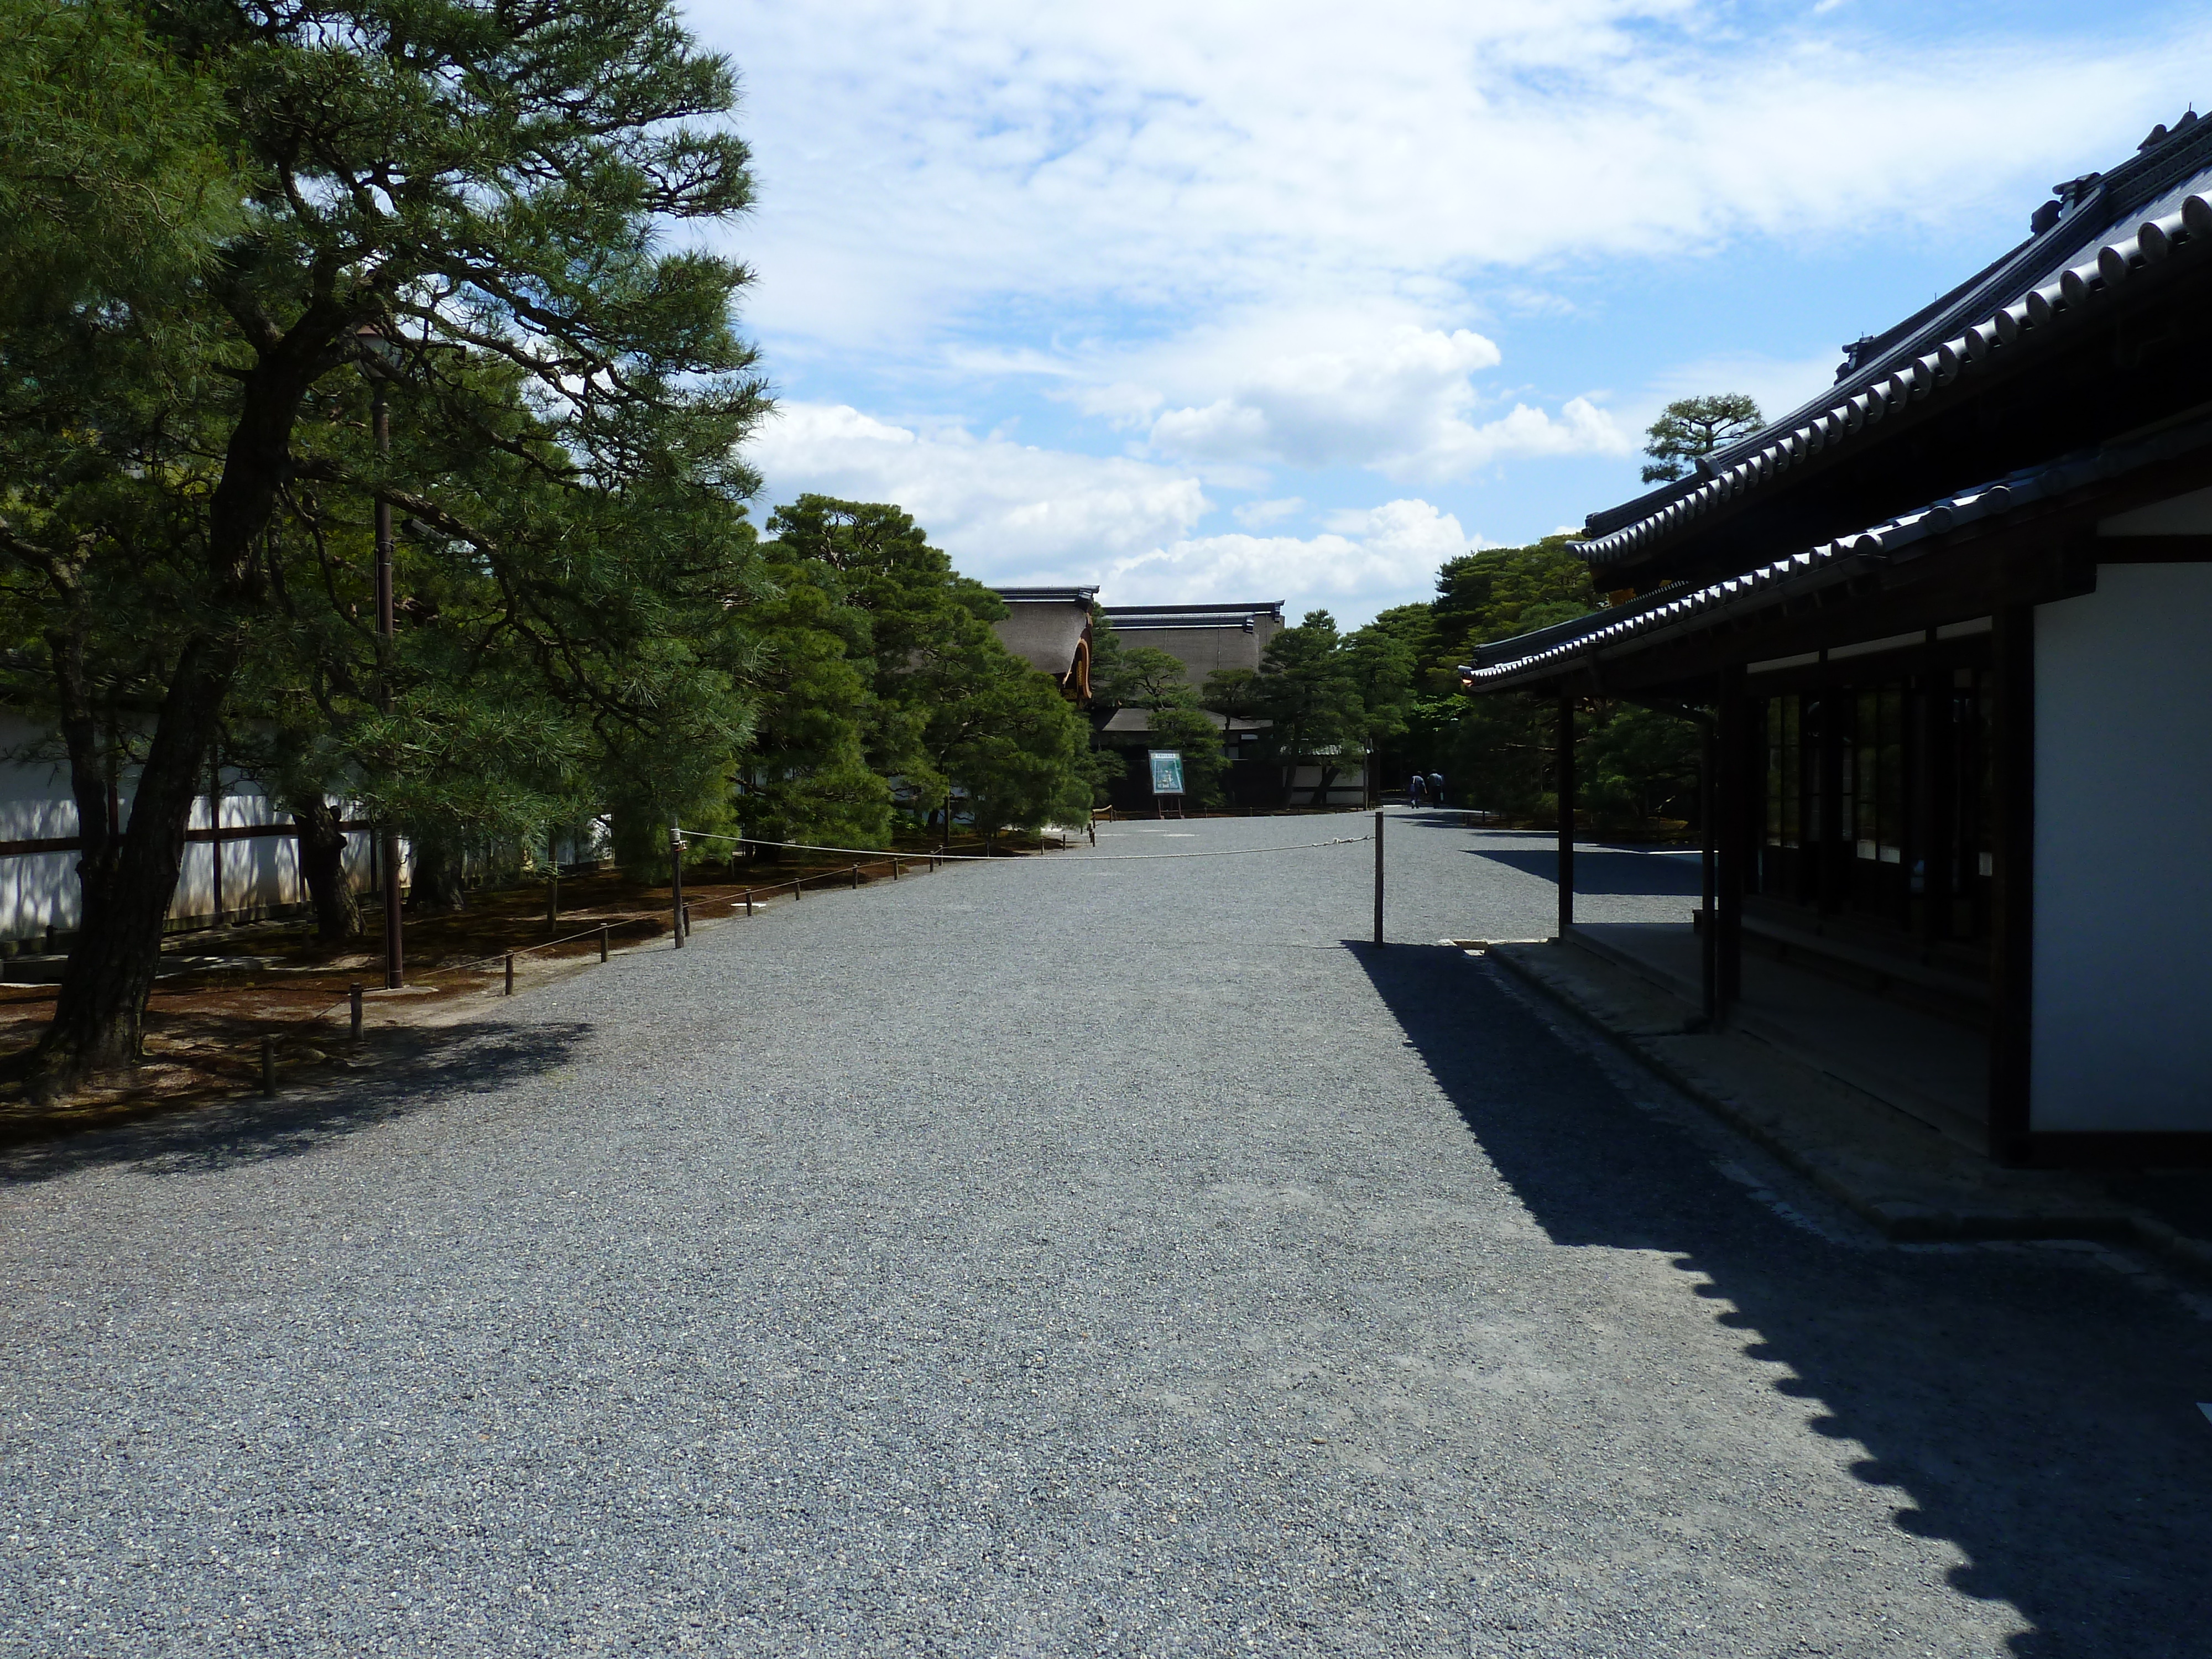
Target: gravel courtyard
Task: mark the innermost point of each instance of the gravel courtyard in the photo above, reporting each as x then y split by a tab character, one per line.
1067	1257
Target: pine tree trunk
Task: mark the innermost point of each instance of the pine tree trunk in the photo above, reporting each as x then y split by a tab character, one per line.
322	863
127	883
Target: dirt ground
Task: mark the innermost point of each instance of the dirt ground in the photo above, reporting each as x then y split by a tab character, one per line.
223	990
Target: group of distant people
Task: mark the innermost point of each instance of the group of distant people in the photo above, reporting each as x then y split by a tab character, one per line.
1428	790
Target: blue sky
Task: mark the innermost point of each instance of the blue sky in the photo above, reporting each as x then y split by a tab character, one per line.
1296	301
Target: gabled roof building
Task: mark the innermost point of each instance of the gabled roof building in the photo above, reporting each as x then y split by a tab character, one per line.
1948	625
1049	628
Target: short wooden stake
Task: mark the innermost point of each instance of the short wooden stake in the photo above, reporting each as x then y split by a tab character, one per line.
687	918
856	878
749	901
799	889
353	992
602	941
510	972
268	1066
894	869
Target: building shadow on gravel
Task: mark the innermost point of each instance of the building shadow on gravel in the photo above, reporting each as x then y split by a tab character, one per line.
414	1071
1605	871
2030	1405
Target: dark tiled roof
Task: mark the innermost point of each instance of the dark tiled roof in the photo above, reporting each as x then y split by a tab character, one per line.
2085	244
1623	629
1192	616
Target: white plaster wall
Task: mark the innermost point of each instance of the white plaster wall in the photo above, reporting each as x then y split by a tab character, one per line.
39	890
2123	928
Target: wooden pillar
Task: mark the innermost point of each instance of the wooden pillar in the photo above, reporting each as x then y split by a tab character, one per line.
1834	860
2013	890
1565	774
1732	840
1938	823
1708	927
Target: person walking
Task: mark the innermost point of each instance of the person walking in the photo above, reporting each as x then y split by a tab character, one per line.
1416	793
1436	789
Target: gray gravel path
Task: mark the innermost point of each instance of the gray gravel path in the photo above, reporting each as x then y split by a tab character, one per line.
1063	1258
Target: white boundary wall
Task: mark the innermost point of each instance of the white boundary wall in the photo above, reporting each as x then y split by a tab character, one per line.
260	873
2122	929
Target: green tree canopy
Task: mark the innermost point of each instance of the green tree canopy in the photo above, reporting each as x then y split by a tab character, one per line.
1691	427
471	200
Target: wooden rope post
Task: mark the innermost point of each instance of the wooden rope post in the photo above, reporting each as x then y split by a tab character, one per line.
602	941
856	878
353	993
799	889
749	901
1378	881
676	882
510	973
894	866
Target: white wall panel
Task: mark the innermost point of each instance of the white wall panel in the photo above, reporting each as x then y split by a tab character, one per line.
2122	930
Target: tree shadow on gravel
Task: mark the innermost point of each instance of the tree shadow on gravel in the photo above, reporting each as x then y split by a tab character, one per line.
2030	1405
412	1072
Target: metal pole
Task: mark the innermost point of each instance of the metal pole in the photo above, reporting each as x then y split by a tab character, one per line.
1566	790
355	989
676	881
1378	879
395	943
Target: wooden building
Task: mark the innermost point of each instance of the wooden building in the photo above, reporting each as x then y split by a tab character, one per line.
1945	628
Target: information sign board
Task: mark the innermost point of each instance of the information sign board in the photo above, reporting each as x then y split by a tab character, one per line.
1167	771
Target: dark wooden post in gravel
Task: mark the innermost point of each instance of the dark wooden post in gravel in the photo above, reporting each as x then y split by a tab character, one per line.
268	1066
510	972
602	941
676	881
353	993
1378	879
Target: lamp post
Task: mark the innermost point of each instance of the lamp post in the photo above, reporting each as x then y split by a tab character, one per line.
379	360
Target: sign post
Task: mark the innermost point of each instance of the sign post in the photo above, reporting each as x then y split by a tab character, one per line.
1167	779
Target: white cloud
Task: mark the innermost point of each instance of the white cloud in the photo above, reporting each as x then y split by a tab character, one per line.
1002	510
1375	399
1362	562
919	163
1012	512
1253	515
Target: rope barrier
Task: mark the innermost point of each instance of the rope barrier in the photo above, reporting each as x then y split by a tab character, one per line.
985	858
